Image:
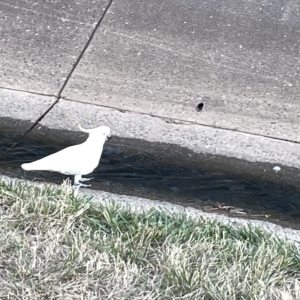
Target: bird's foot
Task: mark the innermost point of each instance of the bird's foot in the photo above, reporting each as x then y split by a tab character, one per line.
79	184
78	179
86	179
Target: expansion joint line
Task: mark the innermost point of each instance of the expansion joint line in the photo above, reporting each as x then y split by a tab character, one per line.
73	68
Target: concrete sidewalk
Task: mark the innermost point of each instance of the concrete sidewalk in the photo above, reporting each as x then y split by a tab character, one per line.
150	64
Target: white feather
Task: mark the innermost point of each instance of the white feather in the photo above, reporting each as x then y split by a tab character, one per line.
76	160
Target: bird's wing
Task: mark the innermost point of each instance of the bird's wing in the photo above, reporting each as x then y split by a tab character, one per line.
67	161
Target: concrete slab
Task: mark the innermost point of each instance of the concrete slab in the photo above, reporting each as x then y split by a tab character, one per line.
40	41
201	139
23	106
240	58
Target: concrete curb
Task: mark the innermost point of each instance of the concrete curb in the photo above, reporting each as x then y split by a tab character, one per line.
143	204
200	139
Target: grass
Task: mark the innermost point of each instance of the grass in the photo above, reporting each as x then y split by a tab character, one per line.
57	245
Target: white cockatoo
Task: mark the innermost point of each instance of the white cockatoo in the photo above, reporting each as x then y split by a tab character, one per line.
75	160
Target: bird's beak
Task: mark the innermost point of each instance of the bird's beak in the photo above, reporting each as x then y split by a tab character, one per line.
109	137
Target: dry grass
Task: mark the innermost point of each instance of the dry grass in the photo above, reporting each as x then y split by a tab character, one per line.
55	245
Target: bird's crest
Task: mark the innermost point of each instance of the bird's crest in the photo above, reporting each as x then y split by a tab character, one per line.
83	130
102	130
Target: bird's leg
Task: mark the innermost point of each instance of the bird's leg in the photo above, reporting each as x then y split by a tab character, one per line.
77	179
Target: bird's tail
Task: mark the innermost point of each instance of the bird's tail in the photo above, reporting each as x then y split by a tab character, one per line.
31	166
26	167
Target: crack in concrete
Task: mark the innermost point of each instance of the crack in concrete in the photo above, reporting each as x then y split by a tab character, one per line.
58	97
26	91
